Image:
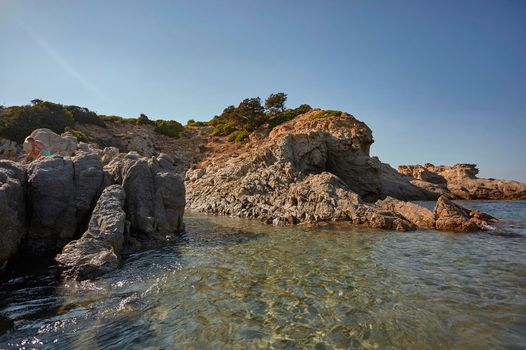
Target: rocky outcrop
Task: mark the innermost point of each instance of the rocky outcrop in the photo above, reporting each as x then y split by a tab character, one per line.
97	251
155	198
61	195
461	182
64	145
405	187
308	170
12	208
452	217
417	215
9	149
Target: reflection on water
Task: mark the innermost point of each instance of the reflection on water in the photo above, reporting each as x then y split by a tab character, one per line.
232	283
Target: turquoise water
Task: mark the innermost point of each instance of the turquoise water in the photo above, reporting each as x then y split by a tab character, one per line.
230	283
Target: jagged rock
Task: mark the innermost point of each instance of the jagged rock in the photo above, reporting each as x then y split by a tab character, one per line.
461	181
339	145
155	192
12	208
308	170
9	149
404	187
142	144
452	217
421	173
87	148
61	193
108	154
64	145
97	251
413	213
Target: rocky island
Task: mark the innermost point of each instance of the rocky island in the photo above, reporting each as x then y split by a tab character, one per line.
114	185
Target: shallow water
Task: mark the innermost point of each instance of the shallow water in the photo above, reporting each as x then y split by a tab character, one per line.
230	283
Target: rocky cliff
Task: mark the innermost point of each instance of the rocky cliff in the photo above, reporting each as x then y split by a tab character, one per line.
314	168
48	203
460	181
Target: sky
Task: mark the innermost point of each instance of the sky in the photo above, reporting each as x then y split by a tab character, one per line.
442	82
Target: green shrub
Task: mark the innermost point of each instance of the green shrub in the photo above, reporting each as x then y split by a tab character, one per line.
170	128
327	113
144	120
110	118
18	122
78	134
232	136
288	115
242	136
192	122
85	116
223	130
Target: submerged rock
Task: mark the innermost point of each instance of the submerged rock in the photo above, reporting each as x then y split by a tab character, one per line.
97	251
12	208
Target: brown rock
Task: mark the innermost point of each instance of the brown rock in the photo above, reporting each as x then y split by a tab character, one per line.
461	182
417	215
308	170
452	217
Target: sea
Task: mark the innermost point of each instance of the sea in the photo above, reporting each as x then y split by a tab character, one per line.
229	283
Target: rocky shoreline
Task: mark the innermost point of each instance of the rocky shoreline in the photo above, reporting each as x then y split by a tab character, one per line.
85	205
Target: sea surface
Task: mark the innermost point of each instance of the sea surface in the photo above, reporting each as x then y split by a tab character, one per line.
238	284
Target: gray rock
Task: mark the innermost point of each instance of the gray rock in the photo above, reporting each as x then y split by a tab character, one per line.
12	208
97	251
61	193
9	149
155	193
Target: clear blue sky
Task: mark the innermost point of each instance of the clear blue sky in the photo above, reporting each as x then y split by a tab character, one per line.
437	81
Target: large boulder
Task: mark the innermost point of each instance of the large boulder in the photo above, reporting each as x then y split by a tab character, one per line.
97	251
450	216
61	193
64	145
12	208
155	193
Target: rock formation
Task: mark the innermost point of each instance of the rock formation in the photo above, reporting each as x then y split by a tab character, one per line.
461	182
452	217
310	169
9	149
61	193
417	215
155	198
97	251
12	208
50	202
